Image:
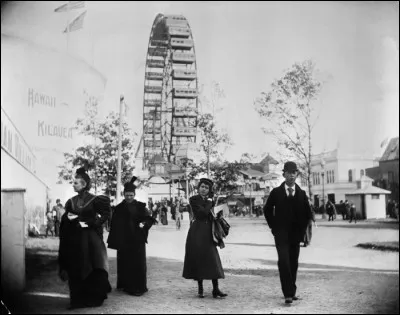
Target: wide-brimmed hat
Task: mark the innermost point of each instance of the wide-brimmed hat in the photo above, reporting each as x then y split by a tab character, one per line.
290	167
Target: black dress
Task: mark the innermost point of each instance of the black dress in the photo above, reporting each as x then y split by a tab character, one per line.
202	259
129	239
82	252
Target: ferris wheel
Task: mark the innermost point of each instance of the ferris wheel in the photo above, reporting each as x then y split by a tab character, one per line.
170	100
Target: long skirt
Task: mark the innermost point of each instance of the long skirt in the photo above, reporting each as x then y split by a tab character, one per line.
202	259
132	268
83	255
91	291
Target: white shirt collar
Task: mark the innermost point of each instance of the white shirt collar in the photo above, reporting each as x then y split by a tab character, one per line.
287	191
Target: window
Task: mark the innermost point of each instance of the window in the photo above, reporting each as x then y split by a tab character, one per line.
350	176
329	177
375	196
362	173
331	197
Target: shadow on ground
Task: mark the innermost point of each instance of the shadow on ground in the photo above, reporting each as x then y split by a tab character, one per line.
250	244
304	268
250	290
360	225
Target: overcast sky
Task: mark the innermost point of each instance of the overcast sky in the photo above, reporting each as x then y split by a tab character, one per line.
244	47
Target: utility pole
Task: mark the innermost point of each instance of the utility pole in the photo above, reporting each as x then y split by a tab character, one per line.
117	198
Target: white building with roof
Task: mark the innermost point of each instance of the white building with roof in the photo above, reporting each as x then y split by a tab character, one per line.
335	174
370	201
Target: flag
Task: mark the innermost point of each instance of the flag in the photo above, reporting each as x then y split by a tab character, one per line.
77	23
70	6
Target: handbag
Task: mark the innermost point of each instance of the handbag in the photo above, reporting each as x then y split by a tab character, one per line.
224	225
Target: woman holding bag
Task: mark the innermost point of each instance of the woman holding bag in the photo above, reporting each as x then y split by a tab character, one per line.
202	261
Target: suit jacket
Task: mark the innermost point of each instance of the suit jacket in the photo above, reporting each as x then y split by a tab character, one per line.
281	218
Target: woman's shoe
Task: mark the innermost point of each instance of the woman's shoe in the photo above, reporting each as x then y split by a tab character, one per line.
200	292
218	293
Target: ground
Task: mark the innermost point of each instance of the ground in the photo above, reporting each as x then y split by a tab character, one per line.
334	275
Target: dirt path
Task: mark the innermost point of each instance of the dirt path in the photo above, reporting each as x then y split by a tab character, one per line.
358	281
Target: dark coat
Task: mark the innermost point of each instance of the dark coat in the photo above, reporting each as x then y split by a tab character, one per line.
128	238
281	219
125	224
202	259
82	252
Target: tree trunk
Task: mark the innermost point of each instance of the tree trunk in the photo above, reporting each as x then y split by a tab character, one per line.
208	161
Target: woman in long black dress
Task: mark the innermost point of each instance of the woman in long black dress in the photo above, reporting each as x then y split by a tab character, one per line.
82	252
202	261
130	226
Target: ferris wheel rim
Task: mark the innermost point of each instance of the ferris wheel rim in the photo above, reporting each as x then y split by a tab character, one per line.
160	21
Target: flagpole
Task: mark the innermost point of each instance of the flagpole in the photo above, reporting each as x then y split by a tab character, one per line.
117	198
68	8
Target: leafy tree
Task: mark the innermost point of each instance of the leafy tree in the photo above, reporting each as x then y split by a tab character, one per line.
101	158
225	174
289	109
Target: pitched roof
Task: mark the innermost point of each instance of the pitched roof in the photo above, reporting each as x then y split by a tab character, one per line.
369	190
392	150
157	159
268	160
252	173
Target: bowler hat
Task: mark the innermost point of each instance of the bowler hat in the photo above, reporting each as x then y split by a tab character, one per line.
290	167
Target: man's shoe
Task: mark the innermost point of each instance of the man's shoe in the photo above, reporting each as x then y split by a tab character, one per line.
295	298
288	300
217	293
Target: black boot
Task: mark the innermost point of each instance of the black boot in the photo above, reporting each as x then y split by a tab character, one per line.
216	291
201	291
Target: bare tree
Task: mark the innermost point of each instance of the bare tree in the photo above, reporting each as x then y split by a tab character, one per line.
289	108
212	139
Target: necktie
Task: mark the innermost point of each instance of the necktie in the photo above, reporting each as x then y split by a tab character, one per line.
290	192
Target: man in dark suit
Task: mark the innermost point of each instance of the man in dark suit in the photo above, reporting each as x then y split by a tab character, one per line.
288	212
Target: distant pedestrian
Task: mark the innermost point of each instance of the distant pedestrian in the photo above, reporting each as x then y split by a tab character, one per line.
288	213
396	210
164	213
353	213
331	210
390	209
50	223
202	261
59	211
347	207
342	209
